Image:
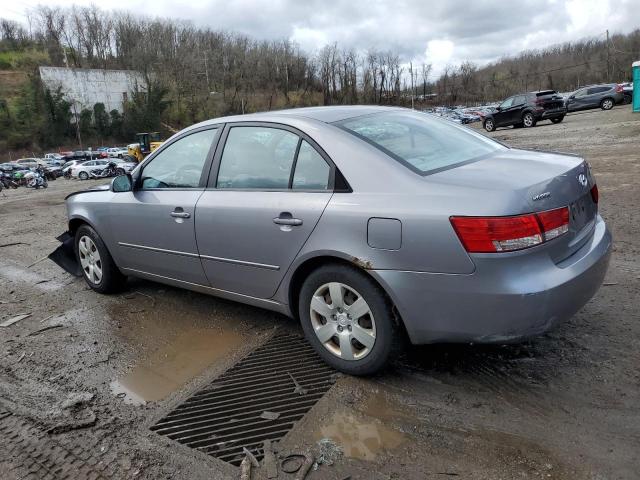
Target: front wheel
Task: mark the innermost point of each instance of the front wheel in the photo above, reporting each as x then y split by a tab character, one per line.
557	119
83	176
98	268
606	104
528	120
347	318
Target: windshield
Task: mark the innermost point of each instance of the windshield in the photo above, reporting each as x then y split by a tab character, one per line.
419	141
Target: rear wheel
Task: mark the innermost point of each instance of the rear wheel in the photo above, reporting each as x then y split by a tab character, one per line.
98	268
489	126
347	318
606	104
528	120
83	176
557	119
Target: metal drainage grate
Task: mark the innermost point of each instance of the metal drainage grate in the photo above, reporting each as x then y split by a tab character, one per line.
283	378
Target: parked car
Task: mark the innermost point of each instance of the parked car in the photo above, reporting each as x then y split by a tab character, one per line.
82	170
359	221
52	156
11	167
526	109
31	162
117	152
81	155
627	91
595	96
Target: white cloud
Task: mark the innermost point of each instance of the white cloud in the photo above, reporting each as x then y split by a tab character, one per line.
440	33
309	39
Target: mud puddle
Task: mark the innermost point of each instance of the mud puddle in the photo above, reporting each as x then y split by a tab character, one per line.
360	437
180	341
170	367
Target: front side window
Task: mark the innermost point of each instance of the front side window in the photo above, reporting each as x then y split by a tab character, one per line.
179	165
312	172
519	100
507	103
421	142
257	157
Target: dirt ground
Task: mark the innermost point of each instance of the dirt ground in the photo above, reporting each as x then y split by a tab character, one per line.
84	376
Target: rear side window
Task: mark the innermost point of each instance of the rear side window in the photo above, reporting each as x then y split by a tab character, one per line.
312	172
257	157
422	143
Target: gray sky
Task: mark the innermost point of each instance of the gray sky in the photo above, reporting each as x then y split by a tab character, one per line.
438	32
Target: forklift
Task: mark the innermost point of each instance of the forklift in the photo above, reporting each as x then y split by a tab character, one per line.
147	143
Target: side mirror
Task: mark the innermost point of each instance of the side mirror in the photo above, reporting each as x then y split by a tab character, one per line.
498	108
572	97
122	183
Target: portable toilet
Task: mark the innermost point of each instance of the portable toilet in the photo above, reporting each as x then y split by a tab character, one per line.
636	86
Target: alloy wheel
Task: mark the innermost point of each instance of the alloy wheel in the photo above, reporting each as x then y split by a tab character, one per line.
342	320
90	259
528	120
488	125
607	104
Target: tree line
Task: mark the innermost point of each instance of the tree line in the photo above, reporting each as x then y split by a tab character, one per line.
197	73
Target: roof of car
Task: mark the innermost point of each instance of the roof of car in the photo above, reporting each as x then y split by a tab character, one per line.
323	114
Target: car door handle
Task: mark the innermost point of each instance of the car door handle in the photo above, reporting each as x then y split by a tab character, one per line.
286	218
180	213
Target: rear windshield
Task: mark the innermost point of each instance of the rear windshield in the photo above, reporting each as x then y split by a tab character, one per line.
421	142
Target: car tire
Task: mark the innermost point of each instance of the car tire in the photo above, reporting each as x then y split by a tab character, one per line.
607	104
528	120
557	119
375	327
627	99
489	125
83	176
98	268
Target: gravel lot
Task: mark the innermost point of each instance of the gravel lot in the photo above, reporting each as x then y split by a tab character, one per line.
74	374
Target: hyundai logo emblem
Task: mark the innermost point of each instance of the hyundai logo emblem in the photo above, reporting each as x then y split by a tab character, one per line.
582	179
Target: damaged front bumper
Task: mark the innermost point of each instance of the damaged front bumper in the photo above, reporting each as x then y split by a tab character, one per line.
65	255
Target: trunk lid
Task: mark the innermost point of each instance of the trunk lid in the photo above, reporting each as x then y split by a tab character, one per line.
513	182
549	100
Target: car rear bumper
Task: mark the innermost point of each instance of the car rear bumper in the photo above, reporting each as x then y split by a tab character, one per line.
557	112
523	296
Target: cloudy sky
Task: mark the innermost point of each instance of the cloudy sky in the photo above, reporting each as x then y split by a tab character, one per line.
438	32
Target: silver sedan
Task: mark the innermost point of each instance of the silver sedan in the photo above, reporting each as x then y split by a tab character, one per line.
365	223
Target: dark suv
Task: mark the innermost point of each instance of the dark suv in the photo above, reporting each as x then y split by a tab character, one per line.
596	96
526	109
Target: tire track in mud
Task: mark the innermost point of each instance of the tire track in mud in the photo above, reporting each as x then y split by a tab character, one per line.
29	453
514	375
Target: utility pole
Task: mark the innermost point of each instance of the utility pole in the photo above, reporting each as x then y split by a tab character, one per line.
608	57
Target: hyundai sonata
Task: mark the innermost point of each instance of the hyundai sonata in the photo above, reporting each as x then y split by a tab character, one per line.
365	223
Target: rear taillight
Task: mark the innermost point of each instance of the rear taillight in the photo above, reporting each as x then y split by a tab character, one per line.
554	222
619	88
594	193
506	234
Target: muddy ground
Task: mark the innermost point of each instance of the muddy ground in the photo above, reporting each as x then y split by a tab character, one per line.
84	376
